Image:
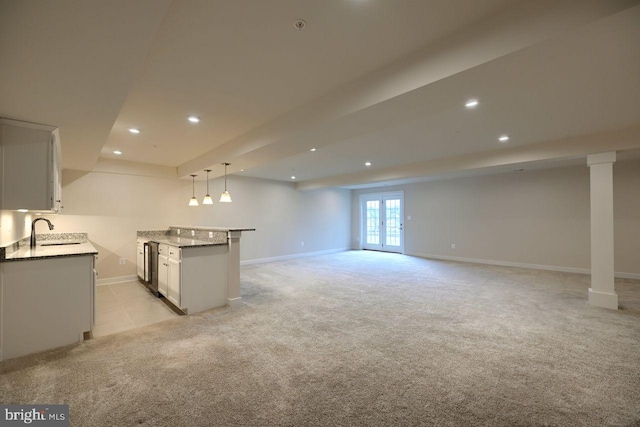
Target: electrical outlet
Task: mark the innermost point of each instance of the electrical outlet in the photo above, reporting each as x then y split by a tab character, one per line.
211	234
302	244
123	261
193	233
453	246
178	231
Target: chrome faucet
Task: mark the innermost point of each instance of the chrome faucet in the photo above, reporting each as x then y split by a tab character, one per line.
33	230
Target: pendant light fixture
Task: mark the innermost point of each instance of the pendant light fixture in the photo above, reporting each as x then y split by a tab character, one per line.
193	201
207	198
225	197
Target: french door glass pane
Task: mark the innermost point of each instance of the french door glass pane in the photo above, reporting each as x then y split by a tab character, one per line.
373	222
393	222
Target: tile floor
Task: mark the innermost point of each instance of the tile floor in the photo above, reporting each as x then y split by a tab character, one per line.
124	306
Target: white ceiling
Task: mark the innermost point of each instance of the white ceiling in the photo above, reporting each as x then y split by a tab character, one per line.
366	80
70	64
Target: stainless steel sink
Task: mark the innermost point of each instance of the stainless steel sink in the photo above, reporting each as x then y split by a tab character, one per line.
60	244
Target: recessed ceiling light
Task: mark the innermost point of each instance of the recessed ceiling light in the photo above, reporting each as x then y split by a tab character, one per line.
472	103
503	138
194	119
134	130
241	170
367	164
313	149
299	24
23	210
117	152
293	177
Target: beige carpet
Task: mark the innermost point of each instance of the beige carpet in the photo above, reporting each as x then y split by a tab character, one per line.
361	338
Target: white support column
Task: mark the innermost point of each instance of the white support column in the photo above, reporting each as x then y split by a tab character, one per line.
602	291
233	269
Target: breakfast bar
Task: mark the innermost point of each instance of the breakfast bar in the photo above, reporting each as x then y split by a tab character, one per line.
195	268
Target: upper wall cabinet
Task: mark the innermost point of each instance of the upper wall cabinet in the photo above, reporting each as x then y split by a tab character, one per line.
31	176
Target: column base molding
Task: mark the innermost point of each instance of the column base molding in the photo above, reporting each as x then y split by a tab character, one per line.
603	299
236	302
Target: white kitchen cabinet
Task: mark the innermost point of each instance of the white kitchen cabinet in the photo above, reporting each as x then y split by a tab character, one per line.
193	278
163	275
140	260
31	174
169	273
45	303
173	282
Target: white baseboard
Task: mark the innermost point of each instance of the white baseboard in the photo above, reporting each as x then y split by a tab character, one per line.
114	280
292	256
620	275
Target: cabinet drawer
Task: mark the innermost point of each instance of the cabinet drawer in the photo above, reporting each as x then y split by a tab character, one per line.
174	253
169	251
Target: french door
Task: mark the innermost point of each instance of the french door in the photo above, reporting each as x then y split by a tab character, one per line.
382	219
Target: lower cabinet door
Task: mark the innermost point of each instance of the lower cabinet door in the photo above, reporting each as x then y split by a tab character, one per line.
174	281
163	275
140	261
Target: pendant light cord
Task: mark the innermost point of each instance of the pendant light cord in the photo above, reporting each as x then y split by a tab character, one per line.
225	176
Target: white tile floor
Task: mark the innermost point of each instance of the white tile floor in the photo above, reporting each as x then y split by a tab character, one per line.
125	306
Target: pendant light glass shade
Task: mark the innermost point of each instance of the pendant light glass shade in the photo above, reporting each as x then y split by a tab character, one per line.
207	198
193	201
225	197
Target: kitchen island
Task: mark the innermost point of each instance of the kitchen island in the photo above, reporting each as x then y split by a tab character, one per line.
195	268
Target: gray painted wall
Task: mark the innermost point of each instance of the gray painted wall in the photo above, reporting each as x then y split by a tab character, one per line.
533	217
112	205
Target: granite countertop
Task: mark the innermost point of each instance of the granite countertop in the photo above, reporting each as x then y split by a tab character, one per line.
43	252
183	242
191	227
189	236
